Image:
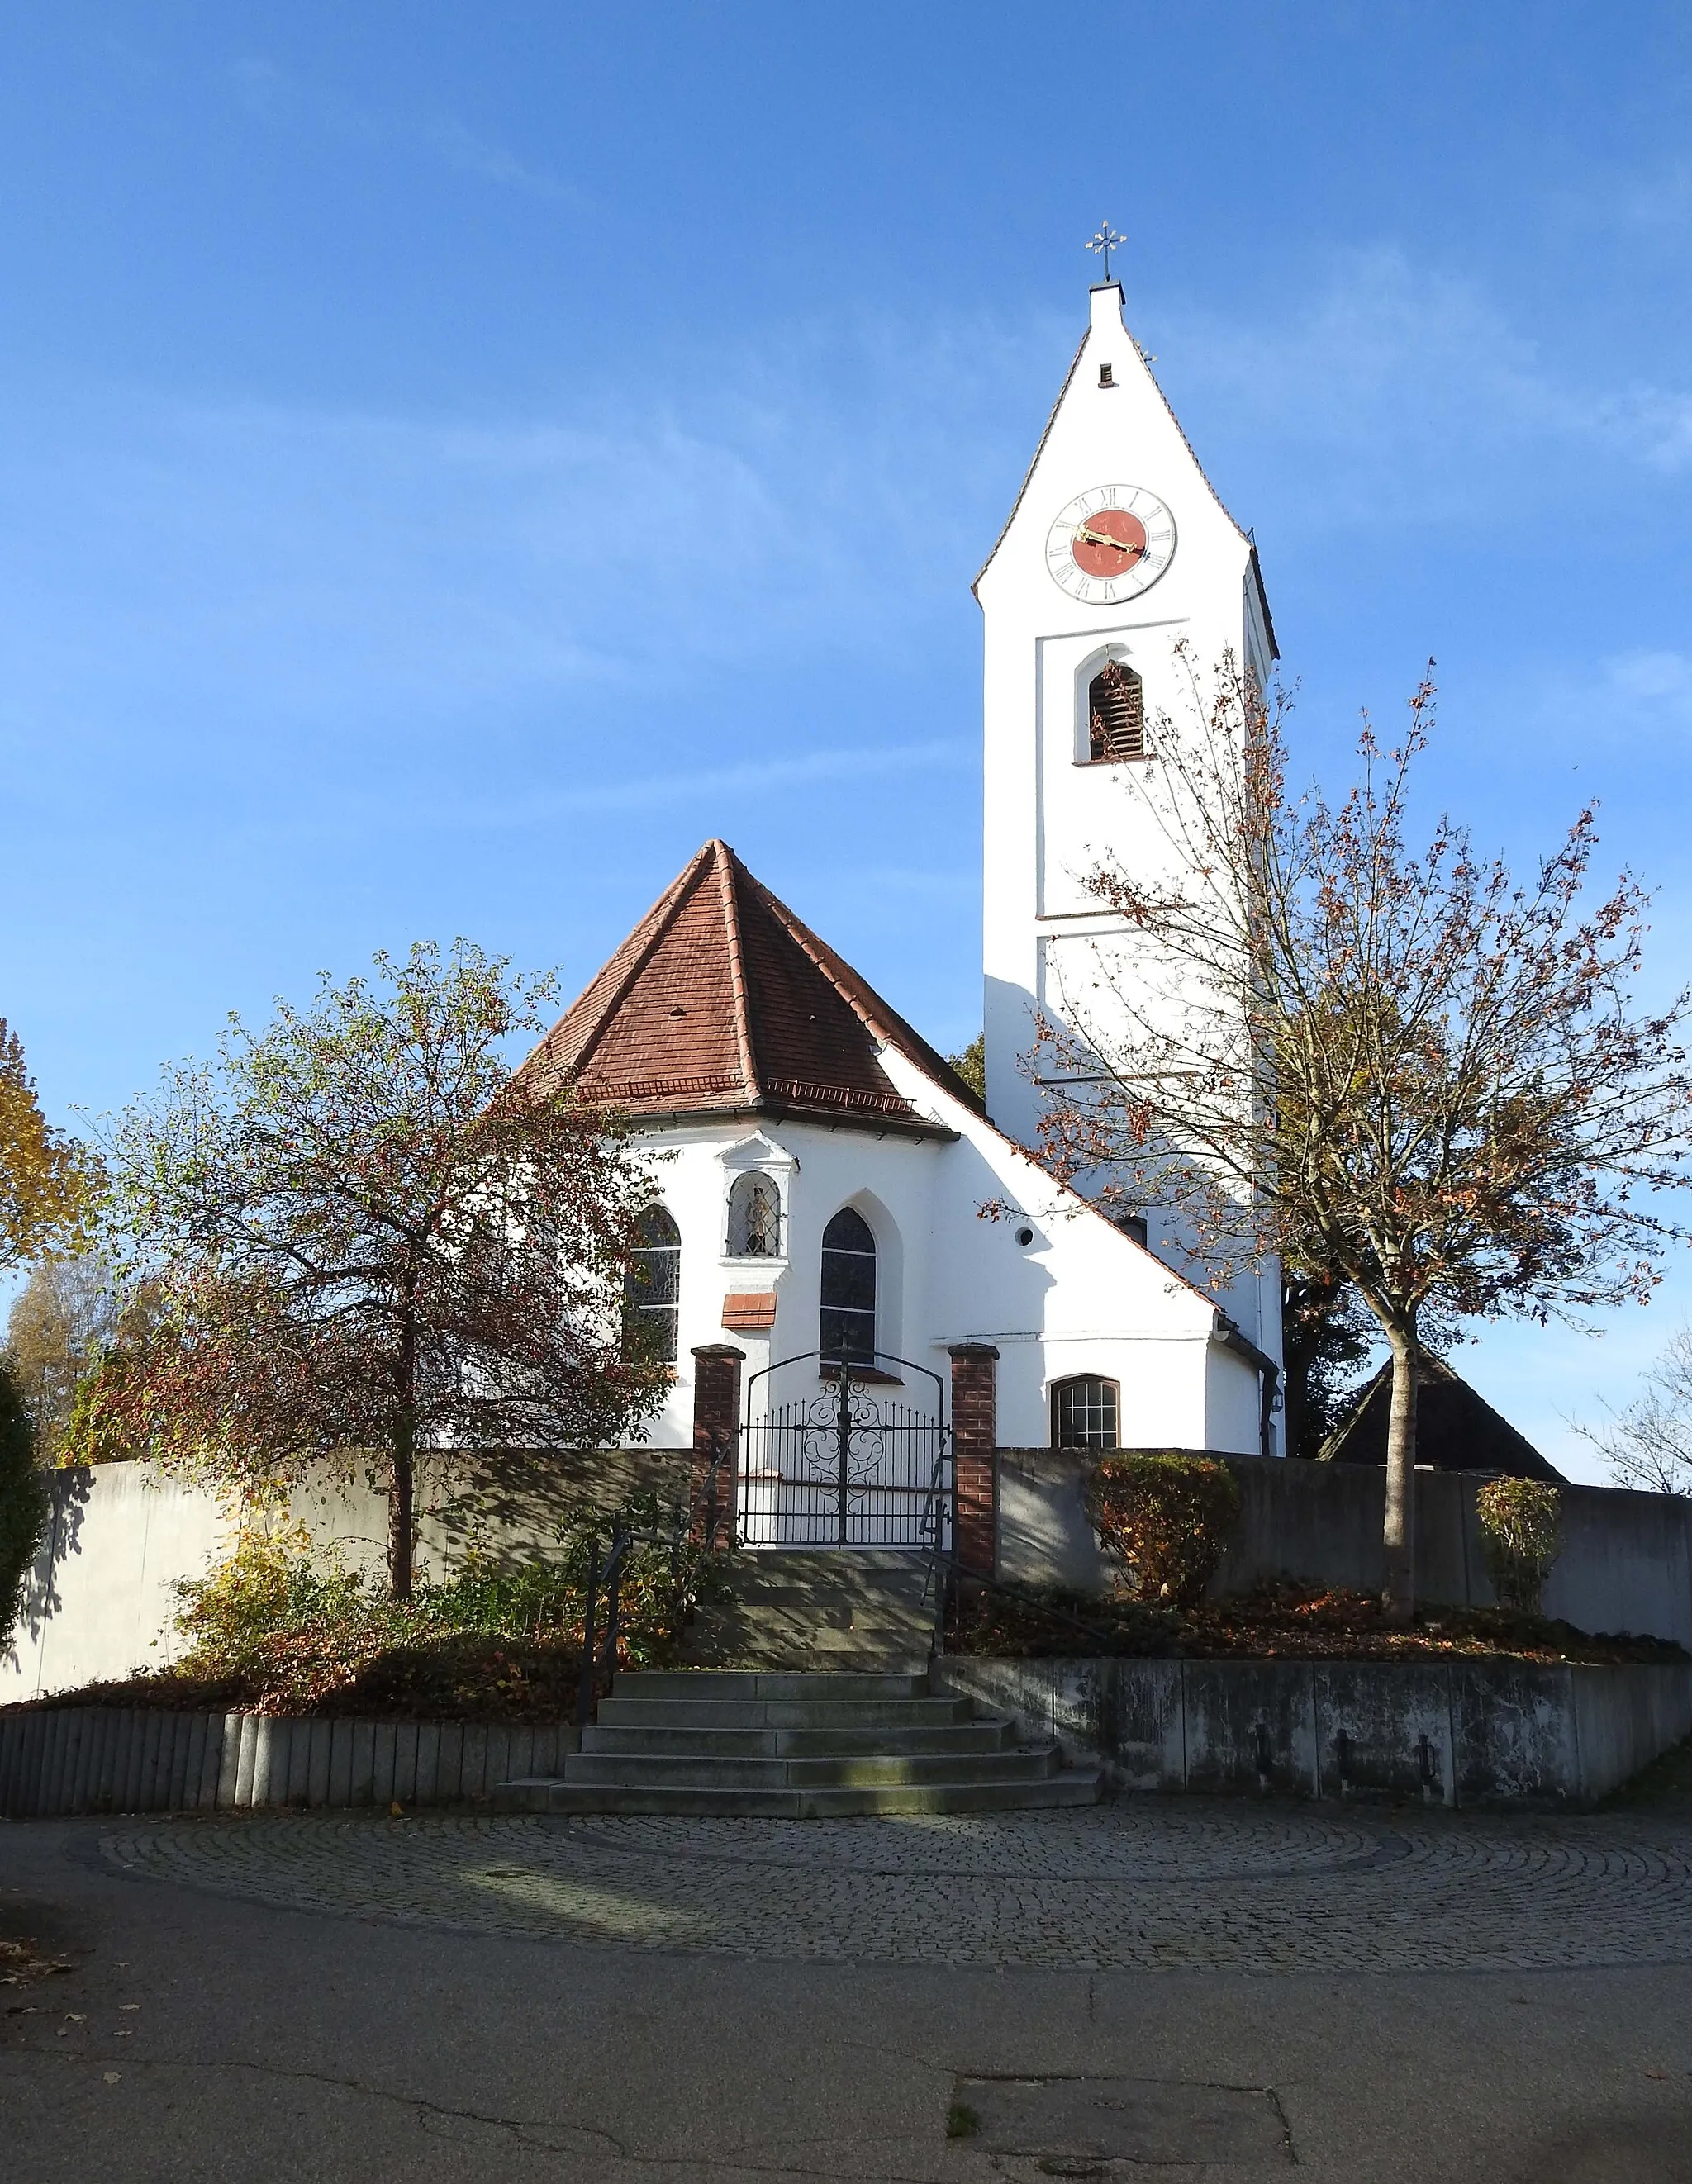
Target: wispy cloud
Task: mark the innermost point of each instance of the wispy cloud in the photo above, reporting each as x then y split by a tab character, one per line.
645	790
275	96
1401	393
1658	684
353	570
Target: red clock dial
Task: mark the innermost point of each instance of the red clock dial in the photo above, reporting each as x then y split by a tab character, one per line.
1109	544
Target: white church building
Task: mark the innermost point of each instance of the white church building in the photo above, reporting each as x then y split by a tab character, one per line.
826	1169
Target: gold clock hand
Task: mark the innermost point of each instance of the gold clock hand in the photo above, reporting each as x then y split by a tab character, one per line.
1103	539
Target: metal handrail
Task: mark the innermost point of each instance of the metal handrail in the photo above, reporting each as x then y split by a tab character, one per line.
600	1656
940	1557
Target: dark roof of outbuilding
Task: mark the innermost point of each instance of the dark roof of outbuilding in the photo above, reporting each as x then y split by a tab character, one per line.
721	1002
1456	1428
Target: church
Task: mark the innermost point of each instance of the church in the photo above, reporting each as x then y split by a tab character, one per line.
823	1170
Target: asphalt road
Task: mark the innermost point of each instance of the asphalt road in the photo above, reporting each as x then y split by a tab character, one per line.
215	2025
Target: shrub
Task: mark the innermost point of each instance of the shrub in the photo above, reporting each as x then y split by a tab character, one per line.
1167	1518
1521	1538
297	1631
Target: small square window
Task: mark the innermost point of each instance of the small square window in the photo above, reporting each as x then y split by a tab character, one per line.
1084	1413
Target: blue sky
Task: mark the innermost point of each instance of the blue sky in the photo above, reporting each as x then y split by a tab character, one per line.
348	356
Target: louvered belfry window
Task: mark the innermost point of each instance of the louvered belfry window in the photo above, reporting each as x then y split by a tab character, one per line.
1116	714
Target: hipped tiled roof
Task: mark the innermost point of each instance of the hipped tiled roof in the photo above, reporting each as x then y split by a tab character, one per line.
721	1002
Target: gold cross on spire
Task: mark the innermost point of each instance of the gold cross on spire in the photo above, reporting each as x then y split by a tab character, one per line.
1105	242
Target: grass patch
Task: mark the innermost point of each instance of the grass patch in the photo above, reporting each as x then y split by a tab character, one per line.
962	2121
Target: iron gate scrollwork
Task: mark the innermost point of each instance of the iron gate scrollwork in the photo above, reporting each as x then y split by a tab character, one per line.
865	1461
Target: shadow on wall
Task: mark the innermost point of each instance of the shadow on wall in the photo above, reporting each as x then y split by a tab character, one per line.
70	1493
1626	1564
101	1601
512	1505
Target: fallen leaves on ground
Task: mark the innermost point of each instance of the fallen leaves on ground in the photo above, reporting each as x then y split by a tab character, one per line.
21	1964
1276	1622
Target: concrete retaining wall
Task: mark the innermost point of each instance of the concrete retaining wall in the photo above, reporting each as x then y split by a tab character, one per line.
1448	1732
1626	1564
58	1760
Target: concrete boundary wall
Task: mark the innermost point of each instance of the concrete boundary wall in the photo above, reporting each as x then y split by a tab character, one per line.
63	1760
101	1601
1626	1564
1450	1732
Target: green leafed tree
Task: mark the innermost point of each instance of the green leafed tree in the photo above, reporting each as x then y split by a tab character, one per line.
1327	1333
361	1238
971	1064
1391	1067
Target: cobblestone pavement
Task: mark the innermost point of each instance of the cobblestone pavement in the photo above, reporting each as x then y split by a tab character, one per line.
1139	1886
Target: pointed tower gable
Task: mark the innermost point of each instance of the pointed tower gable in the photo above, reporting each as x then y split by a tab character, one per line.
1137	416
721	1002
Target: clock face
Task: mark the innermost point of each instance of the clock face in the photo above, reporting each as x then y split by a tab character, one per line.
1111	543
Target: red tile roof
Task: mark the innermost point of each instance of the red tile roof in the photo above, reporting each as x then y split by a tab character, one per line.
720	1002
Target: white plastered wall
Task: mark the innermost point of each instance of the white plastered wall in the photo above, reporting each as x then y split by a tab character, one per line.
1081	1297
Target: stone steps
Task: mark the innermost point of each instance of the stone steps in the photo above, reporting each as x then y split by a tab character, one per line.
868	1770
620	1713
818	1609
1069	1788
803	1743
796	1745
725	1684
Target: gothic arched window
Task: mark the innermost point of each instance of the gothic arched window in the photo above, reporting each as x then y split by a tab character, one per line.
1116	714
754	1218
652	1287
1084	1413
848	1319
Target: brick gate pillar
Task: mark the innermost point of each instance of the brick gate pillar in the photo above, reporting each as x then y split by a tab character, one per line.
716	1431
975	1439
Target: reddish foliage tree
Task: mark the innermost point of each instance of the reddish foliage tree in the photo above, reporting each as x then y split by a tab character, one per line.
358	1238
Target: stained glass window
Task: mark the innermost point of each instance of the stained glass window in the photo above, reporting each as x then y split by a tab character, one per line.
652	1287
848	1290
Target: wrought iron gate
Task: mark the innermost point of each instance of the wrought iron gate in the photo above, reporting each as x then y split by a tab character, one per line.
865	1461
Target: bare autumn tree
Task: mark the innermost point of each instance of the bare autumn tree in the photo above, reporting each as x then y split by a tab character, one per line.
1649	1441
1393	1066
359	1238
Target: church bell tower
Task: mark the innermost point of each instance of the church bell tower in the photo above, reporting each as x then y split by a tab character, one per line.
1117	548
